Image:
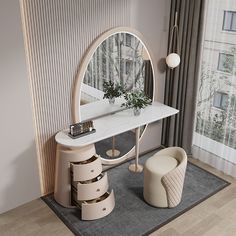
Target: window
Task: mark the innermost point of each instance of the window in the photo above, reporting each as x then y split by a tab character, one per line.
229	23
128	66
226	62
215	114
220	100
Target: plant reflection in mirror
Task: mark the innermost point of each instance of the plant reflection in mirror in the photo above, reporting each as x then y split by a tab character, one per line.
112	90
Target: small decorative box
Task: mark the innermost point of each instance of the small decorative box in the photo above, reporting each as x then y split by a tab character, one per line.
81	129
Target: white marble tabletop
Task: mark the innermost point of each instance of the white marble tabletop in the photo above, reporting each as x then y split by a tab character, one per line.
111	125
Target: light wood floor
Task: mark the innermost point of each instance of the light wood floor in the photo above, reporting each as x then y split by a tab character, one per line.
214	217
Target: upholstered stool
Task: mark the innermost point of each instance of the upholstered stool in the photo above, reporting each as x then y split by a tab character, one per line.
164	174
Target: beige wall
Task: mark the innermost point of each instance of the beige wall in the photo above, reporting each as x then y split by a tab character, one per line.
57	37
58	34
19	178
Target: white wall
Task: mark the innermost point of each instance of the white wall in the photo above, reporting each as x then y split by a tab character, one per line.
19	178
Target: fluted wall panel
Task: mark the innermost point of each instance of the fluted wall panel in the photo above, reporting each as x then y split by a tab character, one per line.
57	34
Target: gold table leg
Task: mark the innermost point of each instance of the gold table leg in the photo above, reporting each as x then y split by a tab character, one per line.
136	167
113	152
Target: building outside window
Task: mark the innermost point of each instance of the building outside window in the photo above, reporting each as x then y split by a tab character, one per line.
215	129
229	23
226	62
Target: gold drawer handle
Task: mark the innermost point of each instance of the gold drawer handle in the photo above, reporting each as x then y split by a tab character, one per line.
104	208
92	171
98	190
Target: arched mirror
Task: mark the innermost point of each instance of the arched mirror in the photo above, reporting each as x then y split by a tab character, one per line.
119	56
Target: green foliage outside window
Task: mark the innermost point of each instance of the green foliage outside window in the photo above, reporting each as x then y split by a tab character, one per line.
221	127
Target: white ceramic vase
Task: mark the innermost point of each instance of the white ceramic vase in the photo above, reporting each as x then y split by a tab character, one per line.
137	111
112	100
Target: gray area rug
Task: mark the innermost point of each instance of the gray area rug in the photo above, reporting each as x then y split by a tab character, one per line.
131	215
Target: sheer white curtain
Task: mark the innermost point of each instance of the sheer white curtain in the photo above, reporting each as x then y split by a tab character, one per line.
214	139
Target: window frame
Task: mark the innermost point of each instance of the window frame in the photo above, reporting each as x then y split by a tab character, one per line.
231	21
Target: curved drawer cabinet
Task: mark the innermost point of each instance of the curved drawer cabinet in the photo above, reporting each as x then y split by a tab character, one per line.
64	157
79	181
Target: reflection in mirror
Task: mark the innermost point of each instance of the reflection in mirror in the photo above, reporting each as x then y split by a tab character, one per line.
123	59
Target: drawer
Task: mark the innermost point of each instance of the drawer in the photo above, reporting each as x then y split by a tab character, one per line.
93	189
97	208
86	170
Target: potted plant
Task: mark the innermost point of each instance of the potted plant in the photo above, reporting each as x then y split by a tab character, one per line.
136	100
112	91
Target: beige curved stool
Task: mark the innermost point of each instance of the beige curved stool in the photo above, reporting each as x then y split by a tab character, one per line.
164	174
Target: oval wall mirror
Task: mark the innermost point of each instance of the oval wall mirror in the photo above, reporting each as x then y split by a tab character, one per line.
119	56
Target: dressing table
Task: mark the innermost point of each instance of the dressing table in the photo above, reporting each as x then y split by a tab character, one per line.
125	59
118	122
71	151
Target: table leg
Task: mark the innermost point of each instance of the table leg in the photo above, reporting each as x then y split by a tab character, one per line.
136	167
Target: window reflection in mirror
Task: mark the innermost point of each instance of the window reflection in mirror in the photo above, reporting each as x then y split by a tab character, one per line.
121	58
